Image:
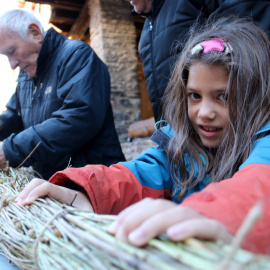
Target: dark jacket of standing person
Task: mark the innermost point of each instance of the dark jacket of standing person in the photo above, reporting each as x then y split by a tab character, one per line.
168	25
66	107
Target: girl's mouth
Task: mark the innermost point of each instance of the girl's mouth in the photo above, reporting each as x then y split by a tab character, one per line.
209	131
209	128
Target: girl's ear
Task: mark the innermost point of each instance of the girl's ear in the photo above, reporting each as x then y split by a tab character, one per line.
34	33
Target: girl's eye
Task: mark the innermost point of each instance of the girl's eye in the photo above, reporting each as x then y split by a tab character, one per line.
194	96
223	97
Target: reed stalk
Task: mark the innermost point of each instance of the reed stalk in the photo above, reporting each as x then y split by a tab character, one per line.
51	235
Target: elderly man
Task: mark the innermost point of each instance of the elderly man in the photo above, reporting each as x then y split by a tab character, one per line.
61	108
167	24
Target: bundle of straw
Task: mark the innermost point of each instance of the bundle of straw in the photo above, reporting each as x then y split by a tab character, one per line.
50	235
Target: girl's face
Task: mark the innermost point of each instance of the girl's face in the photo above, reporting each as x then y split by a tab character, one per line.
207	102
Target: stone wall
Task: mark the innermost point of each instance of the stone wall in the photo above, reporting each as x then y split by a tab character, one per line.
113	37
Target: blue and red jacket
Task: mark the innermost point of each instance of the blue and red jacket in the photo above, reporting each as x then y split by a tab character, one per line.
112	189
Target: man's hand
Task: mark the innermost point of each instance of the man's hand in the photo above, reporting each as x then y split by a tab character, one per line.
142	129
3	161
149	218
38	188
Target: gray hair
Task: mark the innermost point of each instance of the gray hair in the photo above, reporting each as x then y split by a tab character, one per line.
17	21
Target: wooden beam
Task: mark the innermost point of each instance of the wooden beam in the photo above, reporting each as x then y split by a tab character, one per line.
60	16
81	24
68	5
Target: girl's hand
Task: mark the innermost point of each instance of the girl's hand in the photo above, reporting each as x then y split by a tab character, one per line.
149	218
40	188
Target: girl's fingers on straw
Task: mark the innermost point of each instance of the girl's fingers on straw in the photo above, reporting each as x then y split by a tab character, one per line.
203	228
159	223
61	194
28	188
135	215
39	191
38	188
130	218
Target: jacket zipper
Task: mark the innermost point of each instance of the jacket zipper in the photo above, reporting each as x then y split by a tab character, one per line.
150	26
33	104
152	54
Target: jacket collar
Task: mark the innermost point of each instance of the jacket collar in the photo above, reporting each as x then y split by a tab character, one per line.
49	46
156	7
265	128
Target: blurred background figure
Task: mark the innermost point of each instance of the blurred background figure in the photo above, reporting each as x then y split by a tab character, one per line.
167	24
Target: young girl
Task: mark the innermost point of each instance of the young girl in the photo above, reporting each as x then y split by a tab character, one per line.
217	108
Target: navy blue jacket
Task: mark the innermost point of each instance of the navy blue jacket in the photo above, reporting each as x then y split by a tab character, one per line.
66	108
170	22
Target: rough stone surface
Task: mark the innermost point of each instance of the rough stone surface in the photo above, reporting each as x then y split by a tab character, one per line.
113	38
132	149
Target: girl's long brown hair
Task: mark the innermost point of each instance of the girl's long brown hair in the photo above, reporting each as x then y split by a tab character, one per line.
248	102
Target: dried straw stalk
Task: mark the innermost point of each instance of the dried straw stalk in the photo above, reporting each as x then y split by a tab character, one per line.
50	235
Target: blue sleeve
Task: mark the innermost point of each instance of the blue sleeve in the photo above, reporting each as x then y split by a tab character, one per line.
10	119
151	168
260	153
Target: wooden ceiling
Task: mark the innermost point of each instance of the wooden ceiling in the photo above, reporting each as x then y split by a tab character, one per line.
72	18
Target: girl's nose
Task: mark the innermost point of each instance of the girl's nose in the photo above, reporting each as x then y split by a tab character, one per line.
207	110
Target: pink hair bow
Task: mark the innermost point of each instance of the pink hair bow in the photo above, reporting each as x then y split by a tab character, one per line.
212	45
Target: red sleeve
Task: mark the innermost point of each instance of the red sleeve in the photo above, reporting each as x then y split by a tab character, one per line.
110	189
230	200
